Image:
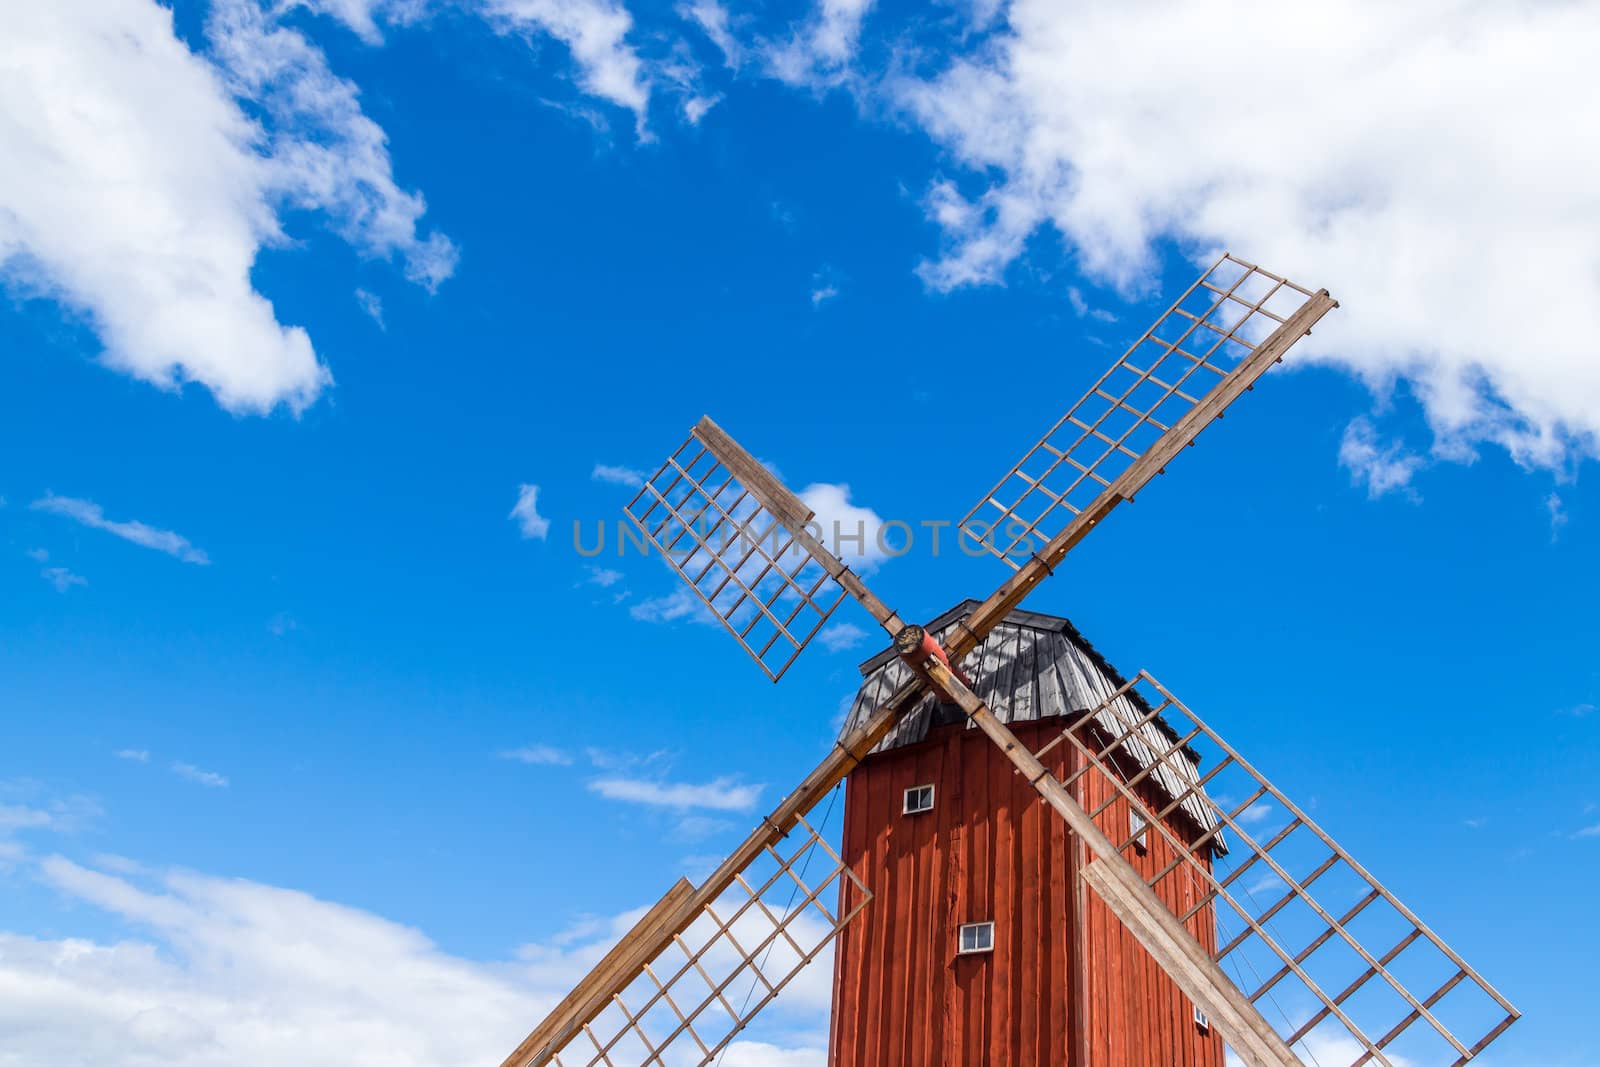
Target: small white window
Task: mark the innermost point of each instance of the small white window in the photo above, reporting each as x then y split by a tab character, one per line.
1201	1021
918	798
1139	830
976	937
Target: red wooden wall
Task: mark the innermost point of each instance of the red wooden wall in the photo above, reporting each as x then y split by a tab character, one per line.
991	850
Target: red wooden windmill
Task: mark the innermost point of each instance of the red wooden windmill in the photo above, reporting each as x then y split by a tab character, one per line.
1042	861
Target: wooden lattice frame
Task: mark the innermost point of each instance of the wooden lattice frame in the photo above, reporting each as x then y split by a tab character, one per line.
693	998
1371	1008
1168	371
744	562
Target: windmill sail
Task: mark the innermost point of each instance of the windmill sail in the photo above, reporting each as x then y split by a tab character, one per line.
1344	970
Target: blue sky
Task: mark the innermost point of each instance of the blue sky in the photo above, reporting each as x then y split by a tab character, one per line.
299	298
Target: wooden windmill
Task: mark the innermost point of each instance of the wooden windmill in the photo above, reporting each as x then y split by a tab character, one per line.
1156	895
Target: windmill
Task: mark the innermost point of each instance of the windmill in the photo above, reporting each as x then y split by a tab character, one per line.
1254	926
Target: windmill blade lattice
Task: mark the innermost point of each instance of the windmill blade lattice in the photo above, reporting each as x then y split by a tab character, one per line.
1345	971
1207	336
716	965
746	547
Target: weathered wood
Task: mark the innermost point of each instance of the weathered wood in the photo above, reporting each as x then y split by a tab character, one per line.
1135	903
1145	468
621	960
789	509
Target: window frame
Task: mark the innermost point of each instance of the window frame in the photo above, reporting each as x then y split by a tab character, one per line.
905	800
1200	1019
977	950
1138	830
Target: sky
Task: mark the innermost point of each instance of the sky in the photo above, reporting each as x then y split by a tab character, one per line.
337	331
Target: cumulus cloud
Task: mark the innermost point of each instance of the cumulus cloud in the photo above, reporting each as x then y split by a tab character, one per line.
139	192
220	972
854	533
526	513
720	794
1438	193
90	514
134	193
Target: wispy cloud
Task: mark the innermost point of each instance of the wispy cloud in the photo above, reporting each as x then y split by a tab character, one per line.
824	286
1383	467
605	472
1579	711
137	755
1081	308
526	513
62	578
209	779
680	604
369	302
604	577
90	514
1589	831
538	756
719	794
1558	515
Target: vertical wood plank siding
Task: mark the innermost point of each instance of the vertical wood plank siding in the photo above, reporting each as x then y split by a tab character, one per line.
988	851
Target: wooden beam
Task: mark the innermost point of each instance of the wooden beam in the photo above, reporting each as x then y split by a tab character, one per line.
792	514
618	964
1152	462
646	941
1134	902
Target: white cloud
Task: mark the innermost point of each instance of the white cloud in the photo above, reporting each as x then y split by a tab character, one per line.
324	152
370	303
62	578
713	19
90	514
596	33
17	817
538	755
1558	514
139	192
137	755
1438	193
820	48
1383	467
38	555
604	577
1589	831
721	794
823	287
627	476
227	971
850	531
677	605
526	513
209	779
134	193
841	636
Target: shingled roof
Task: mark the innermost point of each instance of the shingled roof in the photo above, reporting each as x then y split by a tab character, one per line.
1035	666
